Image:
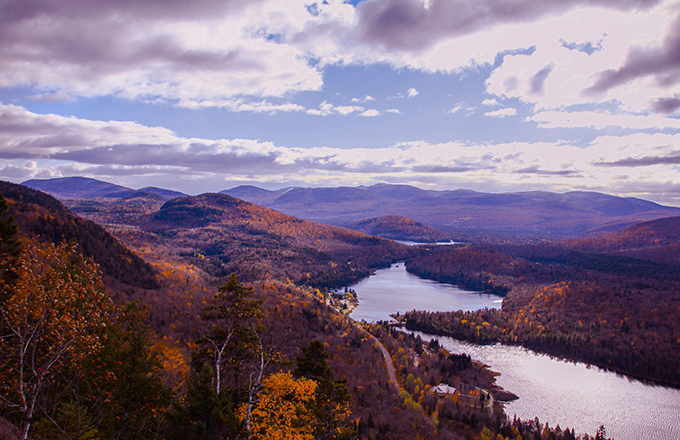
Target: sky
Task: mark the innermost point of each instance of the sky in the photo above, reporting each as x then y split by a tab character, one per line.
206	95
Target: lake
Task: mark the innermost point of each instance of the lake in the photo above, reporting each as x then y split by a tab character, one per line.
572	395
394	290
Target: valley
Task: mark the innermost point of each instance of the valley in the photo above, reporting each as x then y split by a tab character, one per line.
611	299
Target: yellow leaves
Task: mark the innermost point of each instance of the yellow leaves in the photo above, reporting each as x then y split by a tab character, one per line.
282	411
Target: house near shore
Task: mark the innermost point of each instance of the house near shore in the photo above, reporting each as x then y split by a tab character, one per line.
443	389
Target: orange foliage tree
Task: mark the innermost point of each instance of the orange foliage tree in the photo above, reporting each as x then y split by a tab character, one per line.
282	411
48	320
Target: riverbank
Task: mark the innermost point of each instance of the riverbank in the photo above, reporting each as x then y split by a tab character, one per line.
473	336
558	392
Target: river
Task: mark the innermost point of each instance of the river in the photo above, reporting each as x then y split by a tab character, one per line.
570	394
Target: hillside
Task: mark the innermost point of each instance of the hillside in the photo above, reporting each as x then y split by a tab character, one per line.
396	227
656	240
526	214
194	243
613	300
42	217
224	234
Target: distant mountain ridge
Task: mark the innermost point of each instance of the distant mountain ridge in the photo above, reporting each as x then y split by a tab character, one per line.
534	213
464	212
87	188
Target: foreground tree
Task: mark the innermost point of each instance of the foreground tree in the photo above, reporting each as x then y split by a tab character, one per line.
228	367
125	378
10	245
331	405
282	410
49	319
233	335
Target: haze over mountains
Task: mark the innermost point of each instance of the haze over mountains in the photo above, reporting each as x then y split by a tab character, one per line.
537	212
87	188
534	213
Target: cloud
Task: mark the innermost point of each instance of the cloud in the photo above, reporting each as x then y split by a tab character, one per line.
407	25
600	120
130	154
662	62
58	96
367	98
537	82
595	56
490	102
370	113
410	93
187	56
666	105
326	109
254	56
502	113
541	172
393	110
643	161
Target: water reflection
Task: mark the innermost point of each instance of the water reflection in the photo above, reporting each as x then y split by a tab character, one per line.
569	394
394	290
576	395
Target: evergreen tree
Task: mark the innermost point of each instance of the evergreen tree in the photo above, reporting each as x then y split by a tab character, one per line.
332	400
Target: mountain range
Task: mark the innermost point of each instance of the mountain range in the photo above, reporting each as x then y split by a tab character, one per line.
461	213
87	188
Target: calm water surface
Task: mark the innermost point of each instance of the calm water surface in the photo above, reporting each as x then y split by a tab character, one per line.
394	290
569	394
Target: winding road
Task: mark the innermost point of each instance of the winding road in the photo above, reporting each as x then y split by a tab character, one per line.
388	362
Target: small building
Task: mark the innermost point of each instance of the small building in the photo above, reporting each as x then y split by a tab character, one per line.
443	389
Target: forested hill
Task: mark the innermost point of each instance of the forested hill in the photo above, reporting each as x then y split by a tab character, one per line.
41	216
613	300
397	227
225	234
656	240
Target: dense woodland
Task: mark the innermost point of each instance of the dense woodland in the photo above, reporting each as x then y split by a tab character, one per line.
609	309
240	342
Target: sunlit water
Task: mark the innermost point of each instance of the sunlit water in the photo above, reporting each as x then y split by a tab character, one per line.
569	394
394	290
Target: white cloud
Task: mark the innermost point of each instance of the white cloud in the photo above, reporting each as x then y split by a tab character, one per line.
599	120
412	93
326	109
370	113
490	102
237	54
455	110
367	98
156	54
502	113
393	110
576	49
129	153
